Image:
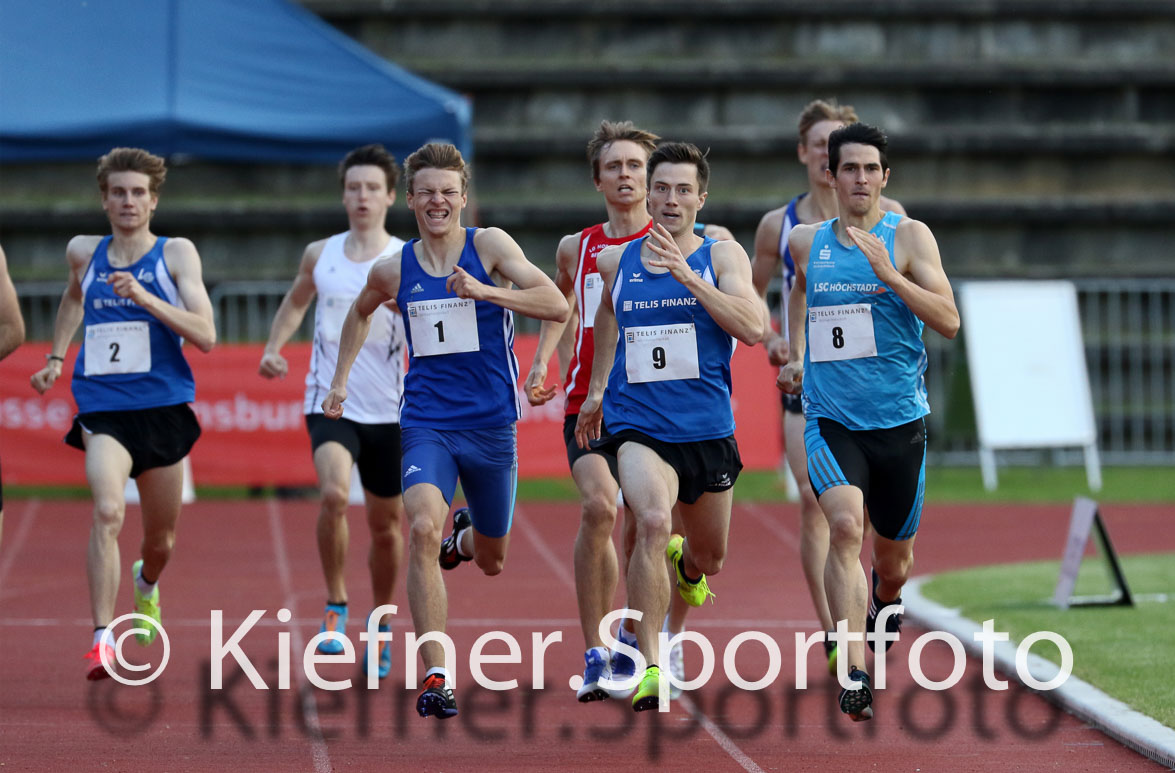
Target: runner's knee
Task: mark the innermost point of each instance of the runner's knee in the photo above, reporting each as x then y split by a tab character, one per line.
109	514
334	500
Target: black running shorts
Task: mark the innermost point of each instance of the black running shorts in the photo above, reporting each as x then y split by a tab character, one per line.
701	466
375	448
154	437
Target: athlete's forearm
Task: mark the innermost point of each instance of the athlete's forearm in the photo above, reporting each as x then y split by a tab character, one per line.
542	302
797	333
69	317
739	316
194	327
939	313
355	329
285	323
604	334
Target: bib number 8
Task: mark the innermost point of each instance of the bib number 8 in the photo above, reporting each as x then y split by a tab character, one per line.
838	338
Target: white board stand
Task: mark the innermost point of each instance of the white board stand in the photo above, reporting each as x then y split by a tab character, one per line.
1028	375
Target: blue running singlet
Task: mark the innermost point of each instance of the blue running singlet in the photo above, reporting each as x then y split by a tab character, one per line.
129	360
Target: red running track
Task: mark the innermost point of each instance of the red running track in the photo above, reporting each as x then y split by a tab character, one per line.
245	556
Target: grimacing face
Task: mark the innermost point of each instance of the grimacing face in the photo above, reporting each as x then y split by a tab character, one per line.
436	200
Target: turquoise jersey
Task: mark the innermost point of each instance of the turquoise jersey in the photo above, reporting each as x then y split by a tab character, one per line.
864	361
670	378
462	372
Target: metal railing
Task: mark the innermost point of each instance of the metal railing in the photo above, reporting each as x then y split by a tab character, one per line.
1128	327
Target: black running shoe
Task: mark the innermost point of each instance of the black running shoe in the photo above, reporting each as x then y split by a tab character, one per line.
858	704
893	623
436	699
450	557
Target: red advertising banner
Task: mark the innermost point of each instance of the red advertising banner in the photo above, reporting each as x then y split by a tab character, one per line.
255	434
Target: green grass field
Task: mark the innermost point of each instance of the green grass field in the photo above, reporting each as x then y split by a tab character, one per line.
943	484
1124	651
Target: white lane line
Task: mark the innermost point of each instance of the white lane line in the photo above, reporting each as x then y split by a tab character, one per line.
13	545
788	538
557	565
322	762
560	568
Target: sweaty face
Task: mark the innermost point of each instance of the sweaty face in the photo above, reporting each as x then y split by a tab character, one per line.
674	197
622	172
128	200
437	200
859	179
813	153
365	194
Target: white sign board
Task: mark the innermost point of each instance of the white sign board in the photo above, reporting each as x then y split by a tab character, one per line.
1028	374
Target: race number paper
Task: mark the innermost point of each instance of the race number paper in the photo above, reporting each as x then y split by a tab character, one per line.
117	347
447	326
841	332
593	289
660	353
334	310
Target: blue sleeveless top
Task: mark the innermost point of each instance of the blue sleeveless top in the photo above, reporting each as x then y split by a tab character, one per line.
671	375
862	390
462	372
129	360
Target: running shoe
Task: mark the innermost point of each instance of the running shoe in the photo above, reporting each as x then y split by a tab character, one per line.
335	619
385	655
694	593
858	704
145	605
94	668
623	667
450	557
436	699
648	695
893	623
597	666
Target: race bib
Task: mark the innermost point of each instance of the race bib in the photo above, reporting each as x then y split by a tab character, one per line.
447	326
593	290
841	332
333	312
660	353
117	347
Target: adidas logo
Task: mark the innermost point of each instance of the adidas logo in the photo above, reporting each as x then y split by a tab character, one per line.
416	288
411	469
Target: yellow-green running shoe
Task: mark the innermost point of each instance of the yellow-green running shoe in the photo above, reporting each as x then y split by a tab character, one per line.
694	593
648	693
145	605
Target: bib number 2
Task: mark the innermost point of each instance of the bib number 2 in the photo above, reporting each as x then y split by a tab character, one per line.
117	347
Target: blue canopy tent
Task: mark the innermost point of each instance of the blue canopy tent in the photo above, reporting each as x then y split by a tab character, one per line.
240	80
